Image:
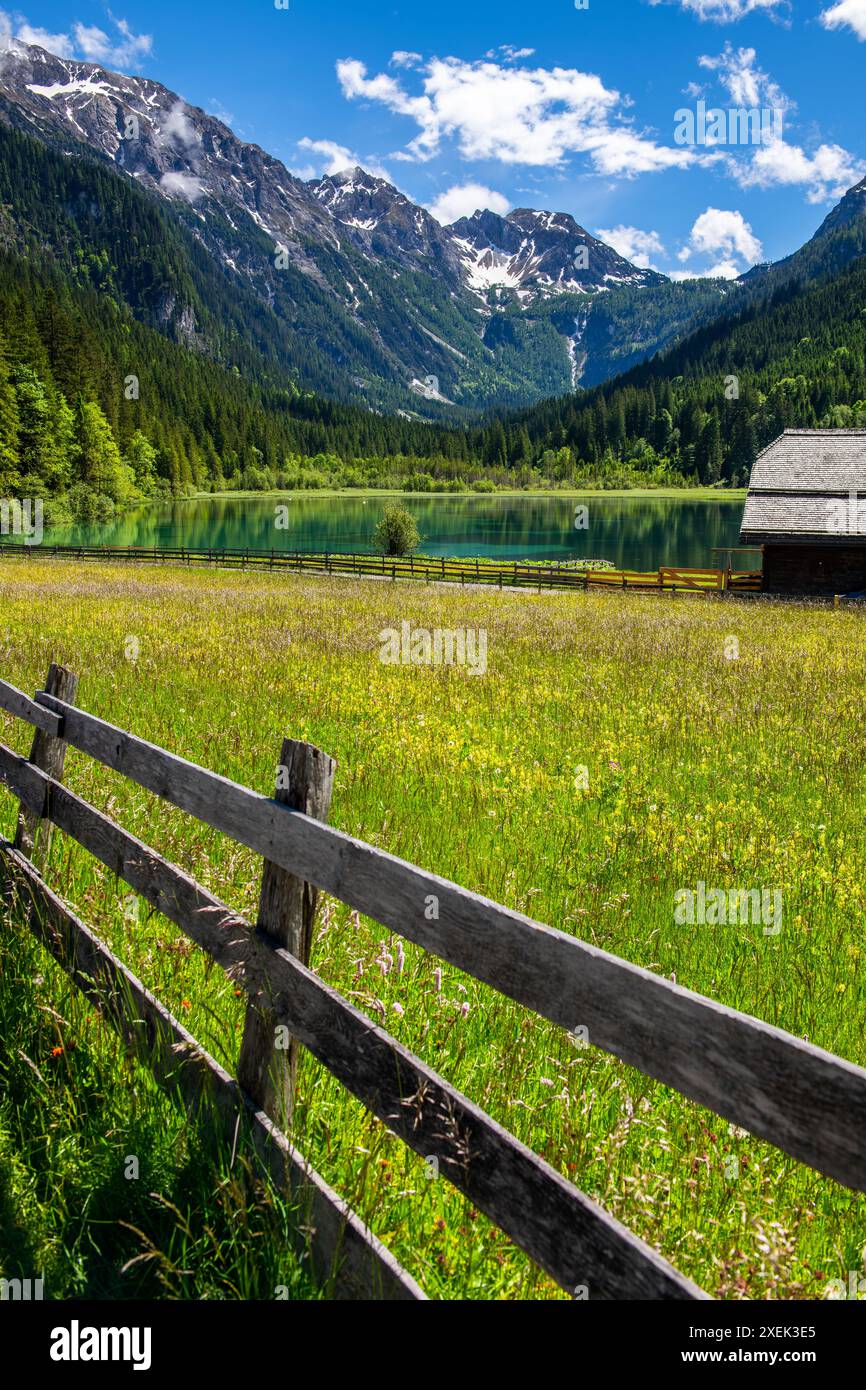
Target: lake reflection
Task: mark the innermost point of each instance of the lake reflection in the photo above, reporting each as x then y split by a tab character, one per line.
634	532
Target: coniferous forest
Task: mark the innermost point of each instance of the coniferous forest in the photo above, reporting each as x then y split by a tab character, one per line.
128	371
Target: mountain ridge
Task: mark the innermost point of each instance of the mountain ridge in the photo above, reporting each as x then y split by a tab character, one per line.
402	293
345	287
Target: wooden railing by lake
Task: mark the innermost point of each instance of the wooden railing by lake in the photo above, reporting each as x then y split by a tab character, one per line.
424	568
806	1101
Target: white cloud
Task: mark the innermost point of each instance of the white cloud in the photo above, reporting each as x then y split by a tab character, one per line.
122	50
127	50
182	185
724	234
464	199
403	59
729	11
723	270
179	137
531	116
849	14
93	43
509	53
178	129
637	246
59	44
746	84
216	108
826	174
620	151
334	158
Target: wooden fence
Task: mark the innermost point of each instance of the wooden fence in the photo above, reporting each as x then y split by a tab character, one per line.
806	1101
426	568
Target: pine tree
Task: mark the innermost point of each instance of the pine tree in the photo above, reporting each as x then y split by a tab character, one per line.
98	461
9	433
708	455
662	430
141	457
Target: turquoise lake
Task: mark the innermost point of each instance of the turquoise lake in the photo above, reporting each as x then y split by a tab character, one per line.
640	532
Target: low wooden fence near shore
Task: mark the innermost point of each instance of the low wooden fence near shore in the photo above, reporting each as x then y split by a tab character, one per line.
782	1089
426	568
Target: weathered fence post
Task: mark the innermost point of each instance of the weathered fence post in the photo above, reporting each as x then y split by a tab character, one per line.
287	911
49	754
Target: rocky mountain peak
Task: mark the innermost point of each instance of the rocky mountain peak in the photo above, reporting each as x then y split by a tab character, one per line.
540	253
383	222
388	295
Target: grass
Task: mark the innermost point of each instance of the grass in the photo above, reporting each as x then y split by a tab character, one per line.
743	772
105	1192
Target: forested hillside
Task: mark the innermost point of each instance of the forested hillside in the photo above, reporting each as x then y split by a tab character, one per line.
356	292
129	369
70	425
794	357
98	409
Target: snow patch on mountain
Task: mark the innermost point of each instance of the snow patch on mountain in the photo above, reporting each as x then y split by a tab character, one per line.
80	87
538	253
430	291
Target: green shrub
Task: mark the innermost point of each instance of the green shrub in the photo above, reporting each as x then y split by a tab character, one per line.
396	533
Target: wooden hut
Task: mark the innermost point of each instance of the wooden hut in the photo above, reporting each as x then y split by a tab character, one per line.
806	508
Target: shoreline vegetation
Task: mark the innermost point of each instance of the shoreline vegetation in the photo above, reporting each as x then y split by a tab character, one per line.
696	493
81	507
58	520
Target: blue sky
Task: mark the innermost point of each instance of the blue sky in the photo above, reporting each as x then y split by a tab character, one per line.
542	105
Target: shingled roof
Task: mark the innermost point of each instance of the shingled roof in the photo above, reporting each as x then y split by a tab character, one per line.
801	490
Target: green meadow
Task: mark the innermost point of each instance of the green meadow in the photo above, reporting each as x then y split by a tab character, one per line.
619	748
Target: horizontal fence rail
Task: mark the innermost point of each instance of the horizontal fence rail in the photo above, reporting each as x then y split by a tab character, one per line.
804	1100
569	1236
418	567
341	1247
14	702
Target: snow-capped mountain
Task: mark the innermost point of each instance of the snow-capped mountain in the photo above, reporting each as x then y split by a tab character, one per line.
149	133
383	223
347	263
532	253
536	253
